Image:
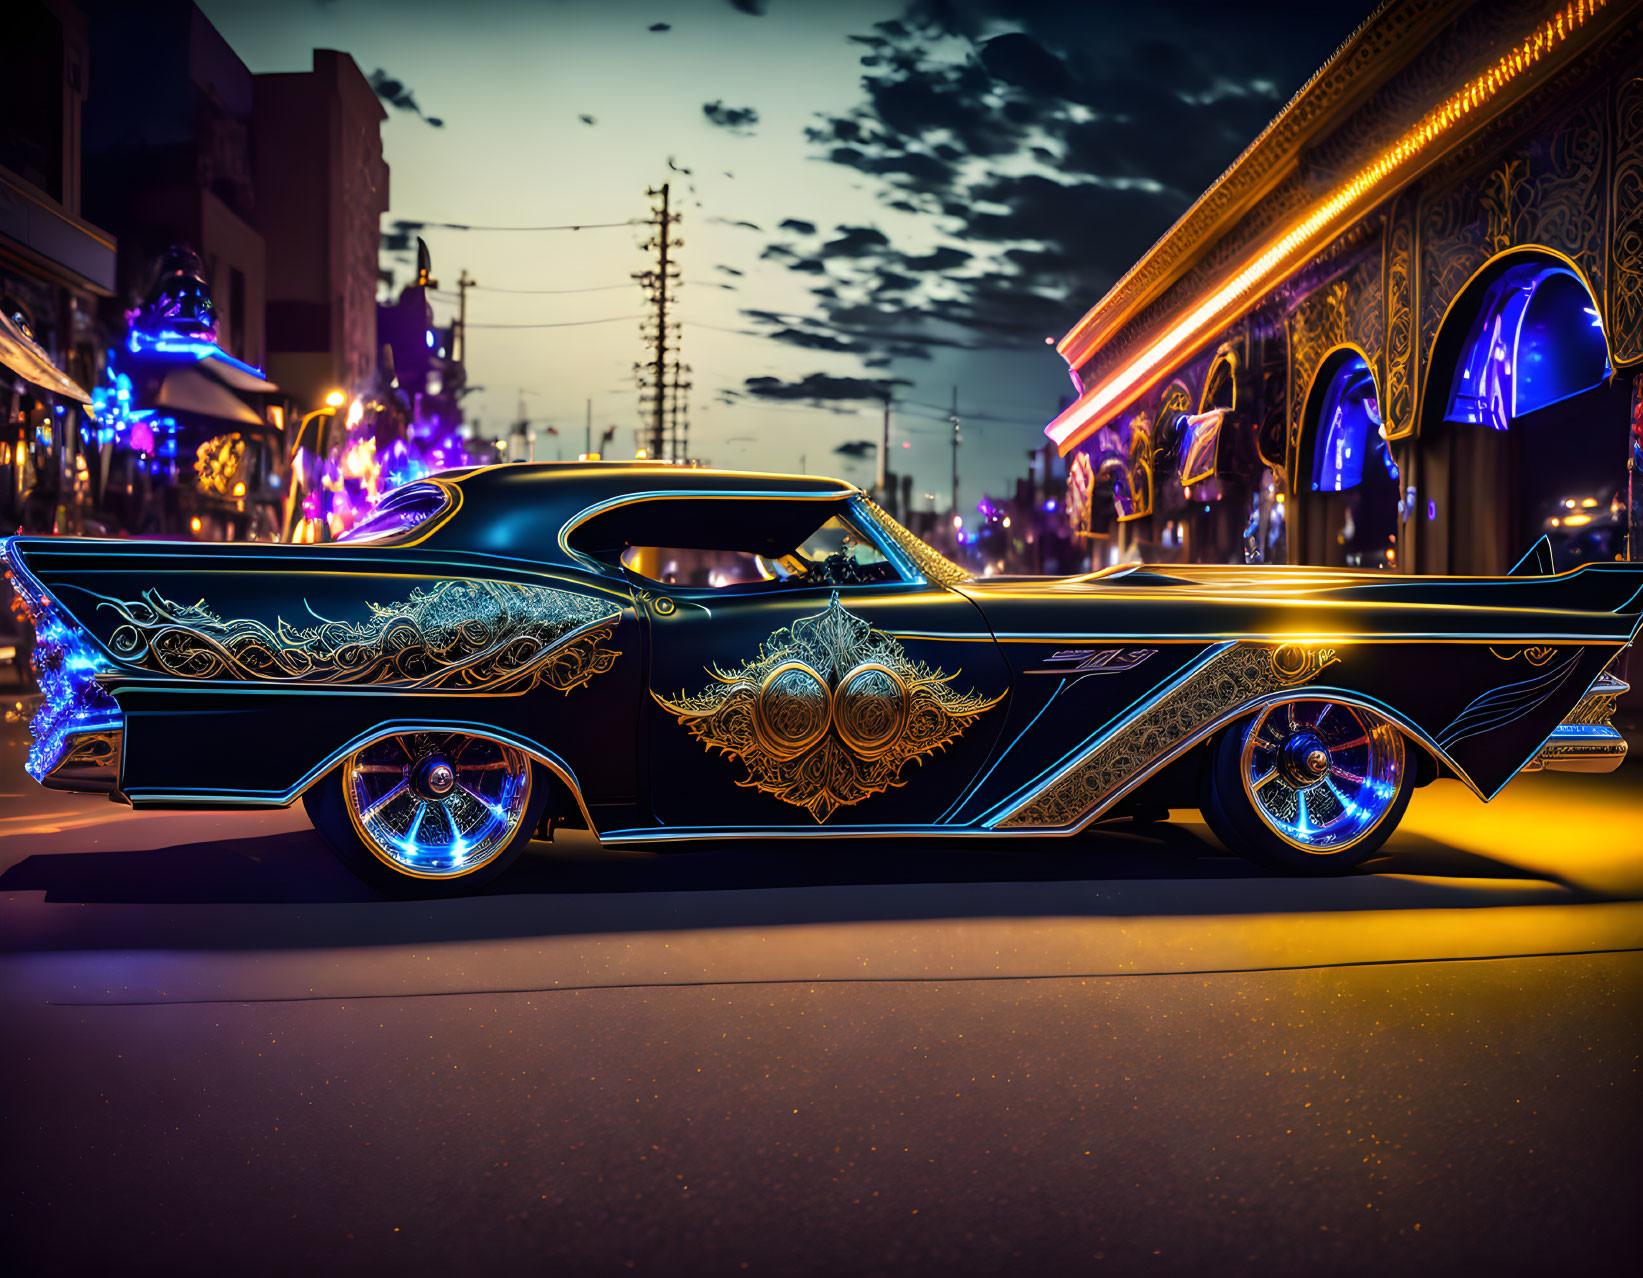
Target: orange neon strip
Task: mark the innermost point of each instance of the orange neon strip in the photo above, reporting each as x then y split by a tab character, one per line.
1083	417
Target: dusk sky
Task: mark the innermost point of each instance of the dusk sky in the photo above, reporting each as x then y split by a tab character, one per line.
877	195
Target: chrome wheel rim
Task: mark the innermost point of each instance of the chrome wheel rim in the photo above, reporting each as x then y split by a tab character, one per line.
1321	775
437	805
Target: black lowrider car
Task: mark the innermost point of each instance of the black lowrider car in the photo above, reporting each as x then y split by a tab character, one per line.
673	654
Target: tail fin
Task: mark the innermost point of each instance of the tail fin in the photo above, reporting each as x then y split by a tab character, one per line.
1537	563
77	728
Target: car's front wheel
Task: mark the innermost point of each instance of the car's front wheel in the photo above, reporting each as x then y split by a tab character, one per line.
429	813
1308	785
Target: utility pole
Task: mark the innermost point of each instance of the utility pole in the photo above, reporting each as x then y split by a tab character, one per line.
679	419
653	375
587	436
956	442
883	486
459	339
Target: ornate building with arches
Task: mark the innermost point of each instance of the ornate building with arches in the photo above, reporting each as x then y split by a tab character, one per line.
1405	329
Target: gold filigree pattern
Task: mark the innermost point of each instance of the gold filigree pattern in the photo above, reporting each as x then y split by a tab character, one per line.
1535	655
456	636
829	713
1626	239
1225	682
1399	409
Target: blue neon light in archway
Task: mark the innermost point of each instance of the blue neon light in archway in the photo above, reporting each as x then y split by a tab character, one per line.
1538	339
1349	430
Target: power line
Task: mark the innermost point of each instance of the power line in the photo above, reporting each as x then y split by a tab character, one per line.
572	226
493	288
610	319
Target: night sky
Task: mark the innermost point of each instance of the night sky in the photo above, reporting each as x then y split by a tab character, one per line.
912	196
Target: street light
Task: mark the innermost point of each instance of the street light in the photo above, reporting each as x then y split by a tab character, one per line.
333	400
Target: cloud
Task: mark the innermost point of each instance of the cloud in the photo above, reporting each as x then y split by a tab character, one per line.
944	258
819	387
659	26
1053	141
857	448
1044	145
725	221
587	119
397	95
738	120
753	8
856	241
817	341
729	270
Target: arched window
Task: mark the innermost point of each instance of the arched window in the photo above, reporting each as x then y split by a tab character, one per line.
1537	340
1349	431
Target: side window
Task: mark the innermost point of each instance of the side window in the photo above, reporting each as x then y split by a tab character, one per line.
837	553
684	566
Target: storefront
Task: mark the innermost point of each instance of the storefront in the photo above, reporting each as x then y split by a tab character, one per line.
1404	330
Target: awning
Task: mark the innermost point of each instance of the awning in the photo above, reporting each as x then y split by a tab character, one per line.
234	375
188	390
22	355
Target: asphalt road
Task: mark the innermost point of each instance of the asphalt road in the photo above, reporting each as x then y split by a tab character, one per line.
1126	1054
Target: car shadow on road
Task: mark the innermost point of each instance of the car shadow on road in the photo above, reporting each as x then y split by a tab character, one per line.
285	890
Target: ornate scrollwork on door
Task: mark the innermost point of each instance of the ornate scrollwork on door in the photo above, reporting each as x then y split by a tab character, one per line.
830	712
1232	678
453	636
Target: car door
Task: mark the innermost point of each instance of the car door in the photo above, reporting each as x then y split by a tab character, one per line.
858	697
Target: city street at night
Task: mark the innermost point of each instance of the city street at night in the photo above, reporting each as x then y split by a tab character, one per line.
225	1056
891	637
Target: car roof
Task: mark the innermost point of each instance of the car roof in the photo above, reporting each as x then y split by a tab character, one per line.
512	507
597	480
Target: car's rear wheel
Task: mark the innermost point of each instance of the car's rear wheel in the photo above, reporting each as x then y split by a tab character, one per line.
429	813
1308	785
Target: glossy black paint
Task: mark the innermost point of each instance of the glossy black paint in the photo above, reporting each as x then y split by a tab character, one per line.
1069	661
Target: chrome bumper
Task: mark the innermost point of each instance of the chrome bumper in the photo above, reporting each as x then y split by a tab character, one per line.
1587	741
89	762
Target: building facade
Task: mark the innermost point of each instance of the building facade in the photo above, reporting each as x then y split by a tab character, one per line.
1405	329
168	157
322	188
56	267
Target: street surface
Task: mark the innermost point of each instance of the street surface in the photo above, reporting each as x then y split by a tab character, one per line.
1129	1053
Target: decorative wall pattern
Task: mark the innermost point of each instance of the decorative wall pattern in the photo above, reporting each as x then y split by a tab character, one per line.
1626	237
1398	410
1349	310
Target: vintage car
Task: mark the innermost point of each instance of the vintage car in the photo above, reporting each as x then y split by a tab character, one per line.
677	654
